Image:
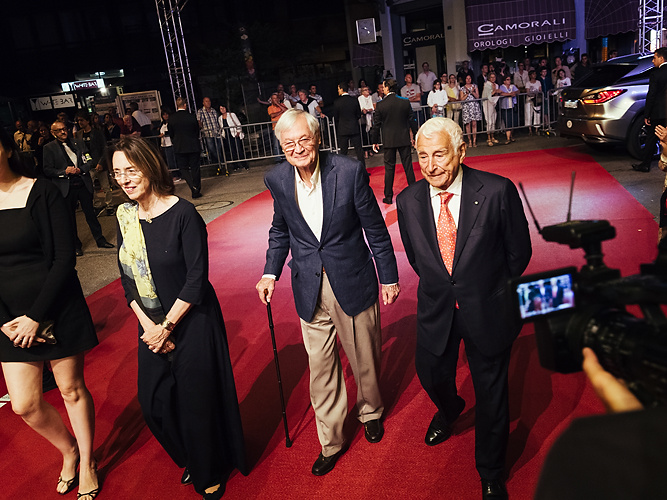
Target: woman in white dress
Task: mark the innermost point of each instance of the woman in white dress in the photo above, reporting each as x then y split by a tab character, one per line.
437	99
490	96
533	109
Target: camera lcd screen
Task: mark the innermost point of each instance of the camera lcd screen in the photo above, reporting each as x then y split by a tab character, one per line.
545	295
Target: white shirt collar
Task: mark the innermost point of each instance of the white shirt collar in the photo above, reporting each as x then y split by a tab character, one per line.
454	187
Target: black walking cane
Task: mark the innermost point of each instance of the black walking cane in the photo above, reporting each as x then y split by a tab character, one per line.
288	441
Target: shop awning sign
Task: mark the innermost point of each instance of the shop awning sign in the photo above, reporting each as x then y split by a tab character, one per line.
492	24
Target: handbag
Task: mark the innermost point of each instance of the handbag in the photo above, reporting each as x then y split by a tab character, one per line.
45	331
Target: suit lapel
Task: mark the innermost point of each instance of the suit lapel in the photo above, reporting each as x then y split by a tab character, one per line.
427	222
471	205
328	185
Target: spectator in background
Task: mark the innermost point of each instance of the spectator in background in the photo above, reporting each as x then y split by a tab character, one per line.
314	95
581	69
463	72
232	137
276	110
558	65
527	64
184	132
508	107
533	110
208	122
44	138
437	100
412	93
367	109
142	119
130	126
93	139
521	78
562	81
378	95
452	89
346	115
22	137
490	96
308	104
469	94
425	81
483	76
352	89
166	145
293	95
111	128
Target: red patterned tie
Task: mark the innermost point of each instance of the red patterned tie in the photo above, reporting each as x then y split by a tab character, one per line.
446	231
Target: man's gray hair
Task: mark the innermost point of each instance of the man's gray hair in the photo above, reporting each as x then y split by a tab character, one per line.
436	126
290	116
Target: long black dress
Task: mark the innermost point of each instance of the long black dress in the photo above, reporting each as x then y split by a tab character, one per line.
188	397
38	279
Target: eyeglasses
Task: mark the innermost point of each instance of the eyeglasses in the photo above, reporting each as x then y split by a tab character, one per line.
304	143
58	130
130	173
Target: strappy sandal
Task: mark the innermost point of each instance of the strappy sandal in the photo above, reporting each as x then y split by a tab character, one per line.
92	494
490	143
70	483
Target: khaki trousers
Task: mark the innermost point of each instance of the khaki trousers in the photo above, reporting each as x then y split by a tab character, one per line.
362	342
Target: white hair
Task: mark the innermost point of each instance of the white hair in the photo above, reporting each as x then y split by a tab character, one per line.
289	117
436	126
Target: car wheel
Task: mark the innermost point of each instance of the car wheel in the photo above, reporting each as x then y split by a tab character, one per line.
636	140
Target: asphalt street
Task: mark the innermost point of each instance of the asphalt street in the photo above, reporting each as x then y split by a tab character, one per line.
98	267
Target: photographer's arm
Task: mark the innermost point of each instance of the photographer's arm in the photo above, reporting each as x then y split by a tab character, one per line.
611	391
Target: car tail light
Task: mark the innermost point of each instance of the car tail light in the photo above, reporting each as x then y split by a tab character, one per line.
603	96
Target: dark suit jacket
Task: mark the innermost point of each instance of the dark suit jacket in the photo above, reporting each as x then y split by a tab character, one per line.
98	144
395	117
184	132
56	162
347	113
656	100
350	212
492	246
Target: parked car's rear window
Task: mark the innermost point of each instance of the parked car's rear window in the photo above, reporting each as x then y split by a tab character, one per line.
604	75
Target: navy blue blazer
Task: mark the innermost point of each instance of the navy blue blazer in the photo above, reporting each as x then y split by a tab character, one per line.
350	212
492	246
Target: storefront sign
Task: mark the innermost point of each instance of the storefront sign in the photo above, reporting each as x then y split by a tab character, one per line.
492	24
423	38
82	85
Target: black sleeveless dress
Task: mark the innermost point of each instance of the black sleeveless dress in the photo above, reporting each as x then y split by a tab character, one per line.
23	272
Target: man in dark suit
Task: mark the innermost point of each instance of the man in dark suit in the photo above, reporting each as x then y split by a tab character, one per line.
184	133
67	163
347	114
394	116
323	209
464	244
655	109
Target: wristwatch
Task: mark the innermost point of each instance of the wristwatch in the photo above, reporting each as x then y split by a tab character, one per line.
168	325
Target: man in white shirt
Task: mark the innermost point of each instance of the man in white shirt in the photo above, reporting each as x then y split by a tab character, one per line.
425	81
326	215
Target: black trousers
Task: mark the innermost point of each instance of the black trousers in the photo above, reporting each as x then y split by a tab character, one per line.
79	193
651	142
355	141
437	375
188	164
405	152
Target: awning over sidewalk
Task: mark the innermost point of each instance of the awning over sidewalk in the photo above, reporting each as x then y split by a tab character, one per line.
492	24
609	17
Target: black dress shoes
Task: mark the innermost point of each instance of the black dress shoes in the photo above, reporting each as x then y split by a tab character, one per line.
640	167
387	201
373	430
103	243
493	489
186	478
196	195
438	431
323	465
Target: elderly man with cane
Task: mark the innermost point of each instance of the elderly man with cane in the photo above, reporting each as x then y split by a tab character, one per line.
323	208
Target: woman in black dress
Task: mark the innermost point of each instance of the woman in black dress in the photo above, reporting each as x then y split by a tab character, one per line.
186	387
39	285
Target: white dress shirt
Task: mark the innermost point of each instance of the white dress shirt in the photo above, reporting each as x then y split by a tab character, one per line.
454	204
310	200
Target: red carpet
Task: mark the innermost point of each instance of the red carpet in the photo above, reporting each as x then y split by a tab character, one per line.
542	403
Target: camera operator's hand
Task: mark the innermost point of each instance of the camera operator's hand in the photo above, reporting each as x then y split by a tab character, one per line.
611	391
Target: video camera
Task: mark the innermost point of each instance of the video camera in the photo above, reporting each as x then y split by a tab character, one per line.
575	309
